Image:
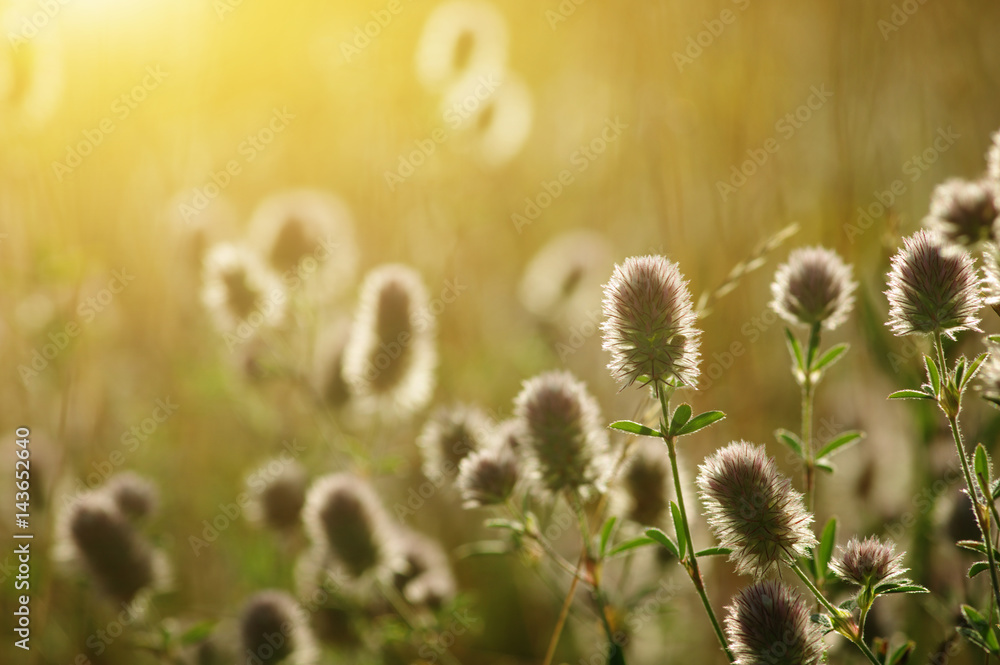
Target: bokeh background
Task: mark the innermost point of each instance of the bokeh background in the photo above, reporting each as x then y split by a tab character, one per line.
115	115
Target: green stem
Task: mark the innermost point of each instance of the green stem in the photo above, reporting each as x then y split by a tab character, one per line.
808	391
981	515
979	507
616	656
690	562
858	640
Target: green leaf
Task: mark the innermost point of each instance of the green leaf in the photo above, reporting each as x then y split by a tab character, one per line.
975	620
824	550
960	371
680	418
910	394
824	465
839	441
675	512
628	545
823	621
981	465
500	523
972	545
606	530
902	654
933	375
974	368
906	588
795	349
701	421
995	489
830	357
978	567
791	440
665	540
197	632
634	428
714	551
974	638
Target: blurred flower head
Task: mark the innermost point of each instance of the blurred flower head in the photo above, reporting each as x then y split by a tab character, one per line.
273	629
563	433
135	496
868	562
390	358
649	323
241	294
562	283
279	495
752	508
461	38
450	435
813	287
648	484
424	576
307	236
932	288
488	476
768	624
97	537
966	213
493	112
328	364
346	521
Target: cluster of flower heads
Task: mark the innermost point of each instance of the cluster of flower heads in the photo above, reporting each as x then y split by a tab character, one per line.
463	56
934	287
555	443
298	258
99	535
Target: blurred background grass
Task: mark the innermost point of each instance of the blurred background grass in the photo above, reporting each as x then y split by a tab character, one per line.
655	189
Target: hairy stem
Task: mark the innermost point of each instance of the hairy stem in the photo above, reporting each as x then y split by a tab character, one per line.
689	560
808	392
858	640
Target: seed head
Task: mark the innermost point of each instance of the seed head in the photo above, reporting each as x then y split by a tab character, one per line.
133	495
868	562
273	630
102	540
753	509
649	323
345	520
279	503
488	476
563	433
240	292
451	435
497	129
813	287
932	288
768	624
965	213
424	576
389	358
